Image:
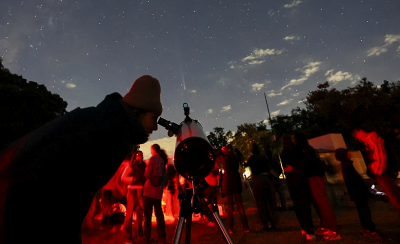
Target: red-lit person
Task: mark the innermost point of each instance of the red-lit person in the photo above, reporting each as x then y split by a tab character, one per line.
211	193
315	172
134	177
49	177
232	186
153	192
377	167
172	192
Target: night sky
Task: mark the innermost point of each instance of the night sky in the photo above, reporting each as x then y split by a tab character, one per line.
218	56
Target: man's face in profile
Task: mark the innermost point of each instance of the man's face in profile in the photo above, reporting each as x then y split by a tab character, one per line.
149	122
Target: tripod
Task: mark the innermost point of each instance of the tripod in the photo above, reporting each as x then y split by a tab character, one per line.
191	203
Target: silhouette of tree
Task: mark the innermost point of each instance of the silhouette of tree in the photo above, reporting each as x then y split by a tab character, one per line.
218	138
329	110
24	106
247	134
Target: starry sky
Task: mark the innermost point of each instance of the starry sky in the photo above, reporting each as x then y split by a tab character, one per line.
220	57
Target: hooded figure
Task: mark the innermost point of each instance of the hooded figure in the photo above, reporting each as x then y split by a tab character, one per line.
48	178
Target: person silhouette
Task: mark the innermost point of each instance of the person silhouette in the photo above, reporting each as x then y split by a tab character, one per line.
66	161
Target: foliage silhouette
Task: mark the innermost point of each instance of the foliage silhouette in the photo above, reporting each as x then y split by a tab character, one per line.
24	106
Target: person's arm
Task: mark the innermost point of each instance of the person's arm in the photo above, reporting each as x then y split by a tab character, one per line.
216	171
379	154
125	177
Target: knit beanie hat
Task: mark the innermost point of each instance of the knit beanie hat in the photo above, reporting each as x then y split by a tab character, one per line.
145	94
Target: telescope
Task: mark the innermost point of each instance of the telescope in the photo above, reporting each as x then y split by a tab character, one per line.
194	157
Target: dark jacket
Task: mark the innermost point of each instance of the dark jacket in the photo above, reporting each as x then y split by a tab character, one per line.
391	147
258	164
310	162
48	178
231	181
355	184
292	157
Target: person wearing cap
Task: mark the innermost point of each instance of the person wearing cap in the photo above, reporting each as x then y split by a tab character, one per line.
49	177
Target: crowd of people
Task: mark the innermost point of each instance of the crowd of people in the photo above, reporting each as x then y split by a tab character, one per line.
304	174
78	153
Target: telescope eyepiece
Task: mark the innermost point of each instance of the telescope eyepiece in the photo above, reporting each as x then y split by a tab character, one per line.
168	125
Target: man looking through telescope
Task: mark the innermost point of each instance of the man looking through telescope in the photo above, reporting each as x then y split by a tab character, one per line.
67	161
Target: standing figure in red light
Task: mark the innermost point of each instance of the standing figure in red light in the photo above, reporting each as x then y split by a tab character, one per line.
211	192
232	186
314	171
134	177
153	192
377	164
172	192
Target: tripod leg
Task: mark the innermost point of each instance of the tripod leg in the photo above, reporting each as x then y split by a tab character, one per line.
185	213
188	226
178	231
214	209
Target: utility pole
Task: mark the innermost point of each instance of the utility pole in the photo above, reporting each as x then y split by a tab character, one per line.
269	116
273	135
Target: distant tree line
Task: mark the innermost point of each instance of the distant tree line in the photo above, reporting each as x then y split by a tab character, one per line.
24	106
327	110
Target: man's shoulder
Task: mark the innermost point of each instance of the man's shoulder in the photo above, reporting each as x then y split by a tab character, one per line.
113	96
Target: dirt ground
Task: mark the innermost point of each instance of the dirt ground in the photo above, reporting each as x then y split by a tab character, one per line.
386	218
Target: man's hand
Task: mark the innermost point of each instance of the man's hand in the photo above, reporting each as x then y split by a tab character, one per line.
288	168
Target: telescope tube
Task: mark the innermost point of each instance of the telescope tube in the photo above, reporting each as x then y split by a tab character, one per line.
194	157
